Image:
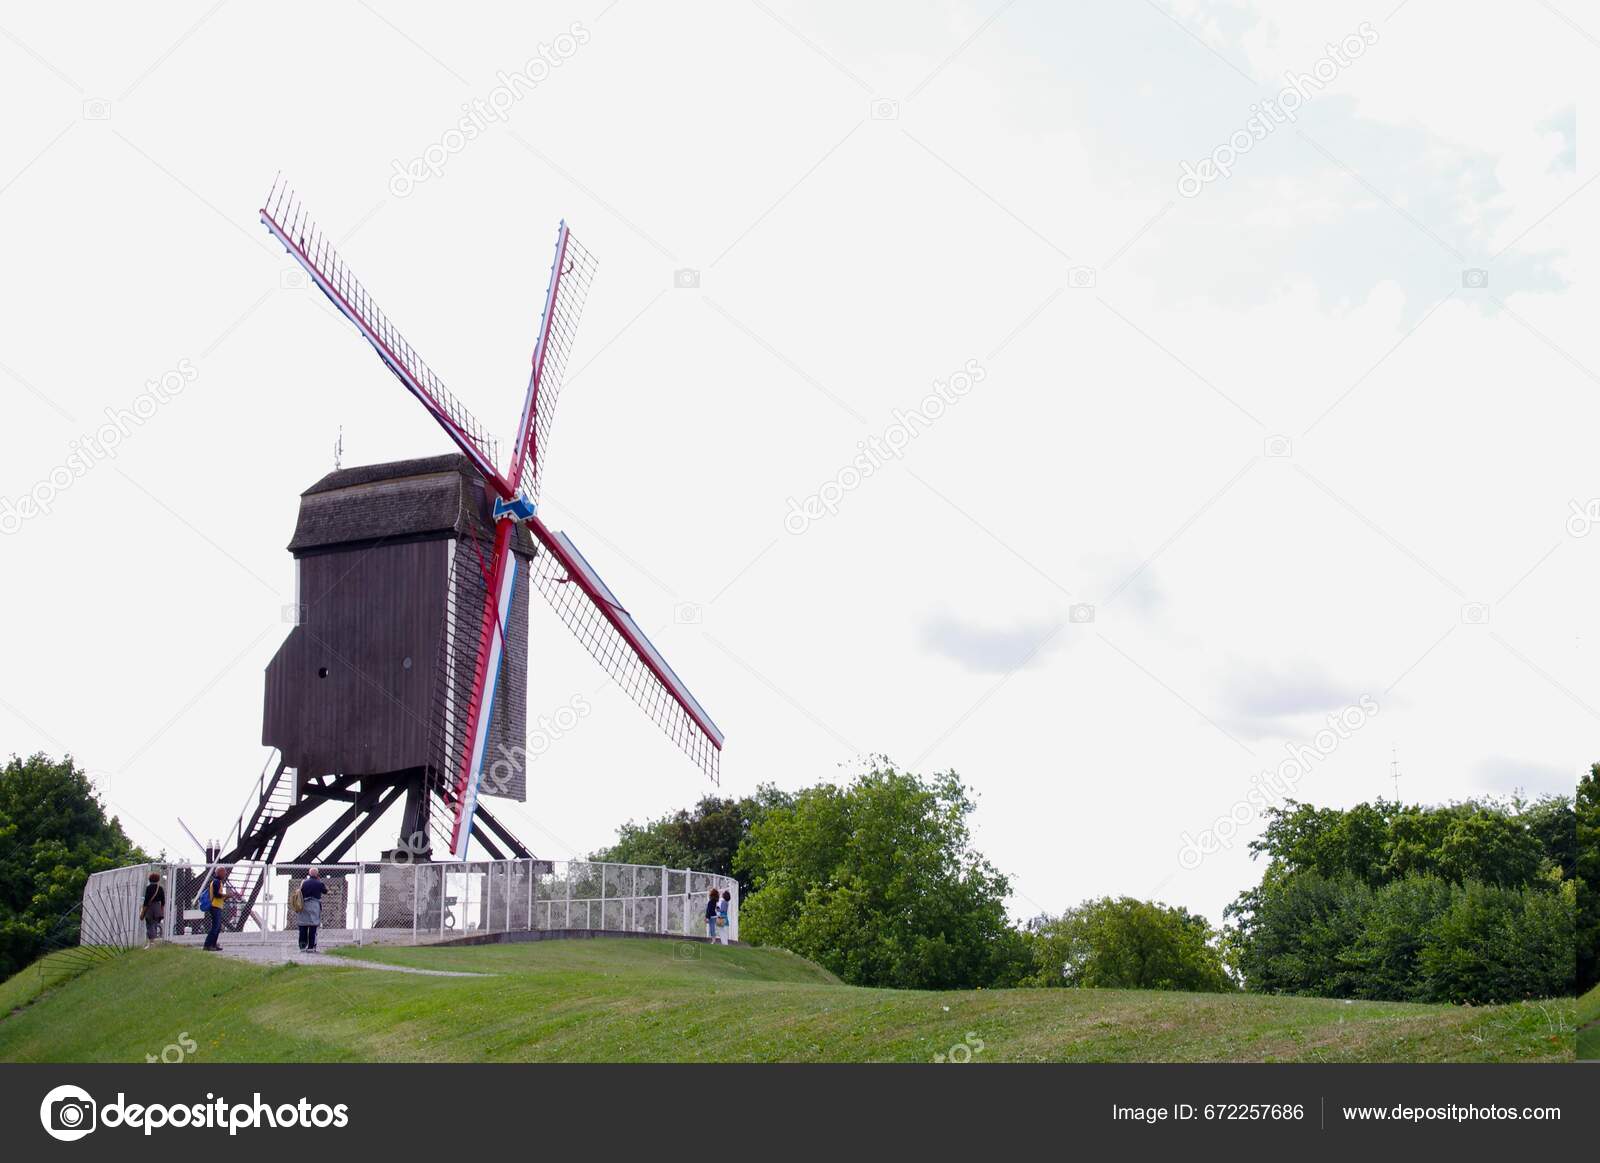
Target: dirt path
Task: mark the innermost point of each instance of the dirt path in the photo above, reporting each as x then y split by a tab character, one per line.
272	955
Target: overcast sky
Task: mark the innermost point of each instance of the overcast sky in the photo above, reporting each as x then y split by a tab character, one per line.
1257	409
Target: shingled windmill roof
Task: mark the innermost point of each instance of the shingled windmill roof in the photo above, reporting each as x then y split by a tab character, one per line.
404	500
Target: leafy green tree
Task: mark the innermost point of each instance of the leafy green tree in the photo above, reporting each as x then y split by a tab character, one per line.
1496	944
1386	954
704	838
1128	944
54	832
1586	861
1489	841
1553	823
1416	836
1490	847
879	883
1327	841
1297	933
1462	902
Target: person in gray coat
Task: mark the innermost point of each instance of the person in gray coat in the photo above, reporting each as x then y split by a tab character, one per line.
153	909
311	892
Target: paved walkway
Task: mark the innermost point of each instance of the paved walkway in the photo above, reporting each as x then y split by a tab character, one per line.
277	955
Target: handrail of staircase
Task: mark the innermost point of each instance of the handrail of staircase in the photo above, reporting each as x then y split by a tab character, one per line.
233	837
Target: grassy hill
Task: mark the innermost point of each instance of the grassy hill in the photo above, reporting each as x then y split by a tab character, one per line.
612	1000
1588	1021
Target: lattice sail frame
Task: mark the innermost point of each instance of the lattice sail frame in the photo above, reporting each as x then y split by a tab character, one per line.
501	592
591	611
570	276
566	579
449	749
284	215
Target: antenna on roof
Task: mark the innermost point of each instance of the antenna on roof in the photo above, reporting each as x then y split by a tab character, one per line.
338	450
1394	772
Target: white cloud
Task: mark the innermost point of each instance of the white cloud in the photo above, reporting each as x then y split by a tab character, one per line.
1266	695
989	649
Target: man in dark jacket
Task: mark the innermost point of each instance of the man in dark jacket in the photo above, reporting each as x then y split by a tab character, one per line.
311	893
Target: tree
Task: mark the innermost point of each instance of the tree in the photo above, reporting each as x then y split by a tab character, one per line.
703	838
1505	843
1327	841
1463	902
53	833
1297	933
1587	877
1386	954
1128	944
879	883
1496	944
1553	823
1489	847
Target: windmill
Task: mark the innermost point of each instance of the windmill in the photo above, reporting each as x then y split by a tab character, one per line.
407	664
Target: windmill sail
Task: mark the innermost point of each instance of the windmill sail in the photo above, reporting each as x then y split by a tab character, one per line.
570	275
487	672
285	217
592	612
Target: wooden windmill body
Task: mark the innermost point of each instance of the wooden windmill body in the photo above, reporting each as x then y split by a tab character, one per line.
373	680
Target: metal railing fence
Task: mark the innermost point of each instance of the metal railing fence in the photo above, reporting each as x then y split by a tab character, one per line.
417	902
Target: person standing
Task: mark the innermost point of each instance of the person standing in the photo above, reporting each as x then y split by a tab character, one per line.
217	890
311	892
153	909
713	902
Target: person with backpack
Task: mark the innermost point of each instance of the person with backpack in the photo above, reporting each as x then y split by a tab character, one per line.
712	903
311	891
216	896
153	908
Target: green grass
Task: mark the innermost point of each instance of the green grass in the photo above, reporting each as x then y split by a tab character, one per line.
616	1000
45	974
1588	1021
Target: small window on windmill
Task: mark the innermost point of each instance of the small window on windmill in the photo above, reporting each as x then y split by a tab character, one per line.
322	672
